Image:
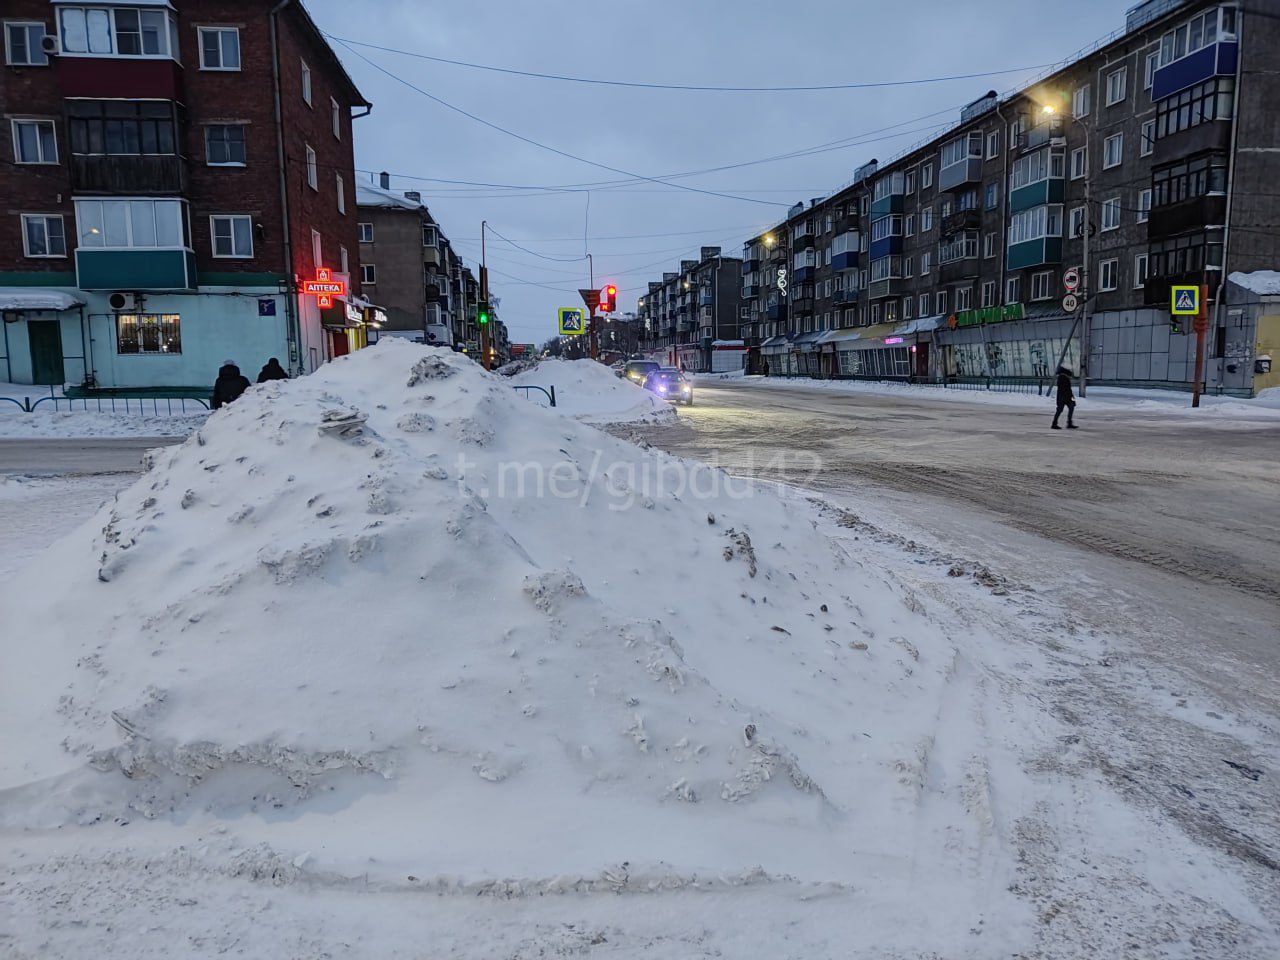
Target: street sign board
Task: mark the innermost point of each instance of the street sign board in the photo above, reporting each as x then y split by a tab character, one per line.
1185	301
1070	302
1071	279
591	298
572	322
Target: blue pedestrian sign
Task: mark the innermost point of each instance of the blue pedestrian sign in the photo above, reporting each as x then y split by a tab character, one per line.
1186	301
572	321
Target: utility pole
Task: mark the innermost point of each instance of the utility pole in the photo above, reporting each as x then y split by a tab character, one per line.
1086	275
1201	327
482	308
593	330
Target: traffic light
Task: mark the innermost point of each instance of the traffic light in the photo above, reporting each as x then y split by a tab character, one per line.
1175	323
482	315
608	298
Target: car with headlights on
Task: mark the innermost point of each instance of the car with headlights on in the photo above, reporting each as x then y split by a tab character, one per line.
637	370
670	384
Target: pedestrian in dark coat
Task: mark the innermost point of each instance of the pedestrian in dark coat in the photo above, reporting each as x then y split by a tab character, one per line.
229	385
1066	399
272	371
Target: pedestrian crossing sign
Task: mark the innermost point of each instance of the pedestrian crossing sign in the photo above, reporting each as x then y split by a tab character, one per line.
571	322
1186	301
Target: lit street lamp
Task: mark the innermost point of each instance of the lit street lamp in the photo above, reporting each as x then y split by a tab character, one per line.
1085	272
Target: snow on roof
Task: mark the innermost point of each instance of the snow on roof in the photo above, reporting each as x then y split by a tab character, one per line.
1265	283
36	298
371	195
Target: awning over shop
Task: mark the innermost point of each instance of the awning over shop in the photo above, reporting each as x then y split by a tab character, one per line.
775	345
806	342
919	325
840	336
36	298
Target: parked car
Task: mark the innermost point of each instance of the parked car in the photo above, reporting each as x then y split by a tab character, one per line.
637	370
670	384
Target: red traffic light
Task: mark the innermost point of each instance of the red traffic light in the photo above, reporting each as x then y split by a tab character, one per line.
608	298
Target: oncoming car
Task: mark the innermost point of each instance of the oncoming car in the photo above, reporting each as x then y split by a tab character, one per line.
670	384
637	370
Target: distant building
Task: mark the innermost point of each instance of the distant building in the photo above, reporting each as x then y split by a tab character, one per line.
689	310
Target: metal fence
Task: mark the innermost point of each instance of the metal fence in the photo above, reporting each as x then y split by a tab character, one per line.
548	392
135	406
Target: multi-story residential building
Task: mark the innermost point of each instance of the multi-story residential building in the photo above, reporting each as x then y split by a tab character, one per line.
1155	152
173	174
695	311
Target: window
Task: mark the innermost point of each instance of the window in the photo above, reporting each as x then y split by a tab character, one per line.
992	195
1080	101
219	48
993	144
1113	151
910	182
1041	285
1034	167
942	301
1111	213
1139	271
24	45
880	230
925	262
43	236
907	304
963	246
306	83
1144	205
886	268
1205	102
1149	73
368	274
964	298
944	209
888	186
1146	142
961	149
1185	256
926	219
988	293
148	333
926	176
1035	223
909	267
430	237
34	141
1015	133
130	224
224	145
1117	81
1079	162
342	193
1011	291
1075	226
924	304
365	231
1189	179
317	249
116	31
989	245
232	236
1108	274
343	264
335	118
1198	32
911	225
313	172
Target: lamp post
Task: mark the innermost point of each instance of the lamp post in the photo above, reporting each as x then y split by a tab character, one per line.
1085	273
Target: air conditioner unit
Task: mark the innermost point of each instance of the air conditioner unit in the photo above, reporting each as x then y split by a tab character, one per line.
49	44
123	301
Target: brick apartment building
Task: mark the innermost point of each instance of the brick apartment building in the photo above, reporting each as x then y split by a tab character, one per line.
1158	147
171	173
409	267
694	312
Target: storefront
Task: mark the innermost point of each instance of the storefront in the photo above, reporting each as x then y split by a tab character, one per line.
775	355
804	349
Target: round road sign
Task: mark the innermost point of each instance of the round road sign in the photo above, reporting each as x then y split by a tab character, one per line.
1071	279
1070	302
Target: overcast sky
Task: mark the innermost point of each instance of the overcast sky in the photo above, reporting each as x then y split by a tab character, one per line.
660	132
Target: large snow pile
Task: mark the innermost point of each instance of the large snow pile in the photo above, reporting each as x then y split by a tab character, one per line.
393	621
591	392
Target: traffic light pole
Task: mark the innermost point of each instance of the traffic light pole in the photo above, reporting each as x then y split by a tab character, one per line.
484	301
1201	326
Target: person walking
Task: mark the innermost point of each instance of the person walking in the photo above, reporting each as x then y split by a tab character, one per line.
272	371
1066	400
229	385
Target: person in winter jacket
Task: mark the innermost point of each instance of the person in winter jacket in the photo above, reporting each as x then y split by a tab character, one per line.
272	371
1066	399
229	385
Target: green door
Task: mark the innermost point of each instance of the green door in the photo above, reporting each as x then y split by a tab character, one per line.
46	351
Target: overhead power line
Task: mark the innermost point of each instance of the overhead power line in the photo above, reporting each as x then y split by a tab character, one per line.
796	88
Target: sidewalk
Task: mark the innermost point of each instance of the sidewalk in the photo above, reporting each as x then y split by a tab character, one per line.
110	417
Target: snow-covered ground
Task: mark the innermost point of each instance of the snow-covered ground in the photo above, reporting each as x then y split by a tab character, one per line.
1160	402
593	393
77	418
388	661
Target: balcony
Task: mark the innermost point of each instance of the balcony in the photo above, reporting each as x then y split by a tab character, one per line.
803	242
889	287
750	265
750	291
1035	253
803	272
1187	216
776	311
886	205
431	256
802	306
1040	134
1157	291
706	298
1212	135
119	78
889	246
135	269
1049	190
960	220
964	268
131	175
956	175
1215	60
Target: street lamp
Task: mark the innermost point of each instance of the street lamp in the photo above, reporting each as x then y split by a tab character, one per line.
1085	274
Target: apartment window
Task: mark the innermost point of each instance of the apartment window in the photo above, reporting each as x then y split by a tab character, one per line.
313	171
1198	32
1117	82
121	127
317	249
1041	165
1015	133
43	236
924	304
911	225
130	224
1075	223
23	45
1042	285
1144	205
909	267
343	264
875	313
1080	101
116	31
993	144
335	118
365	231
1011	291
926	219
1149	73
143	333
961	149
1211	100
963	246
1191	178
224	145
342	193
1109	274
306	82
1079	162
1147	140
925	264
1185	256
942	301
1113	151
910	181
992	195
907	304
429	235
988	293
964	298
880	230
368	274
34	141
232	236
219	48
1035	223
989	245
926	176
944	209
1139	271
1111	213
